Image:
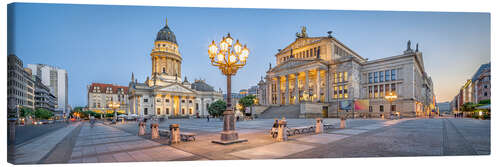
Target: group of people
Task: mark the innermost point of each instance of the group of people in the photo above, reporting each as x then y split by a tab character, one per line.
459	115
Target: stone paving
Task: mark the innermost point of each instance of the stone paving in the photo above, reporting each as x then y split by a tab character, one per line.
33	151
102	143
361	138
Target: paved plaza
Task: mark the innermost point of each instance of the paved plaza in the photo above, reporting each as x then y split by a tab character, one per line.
84	143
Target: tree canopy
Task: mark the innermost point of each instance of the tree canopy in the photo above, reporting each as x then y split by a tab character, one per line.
43	113
217	108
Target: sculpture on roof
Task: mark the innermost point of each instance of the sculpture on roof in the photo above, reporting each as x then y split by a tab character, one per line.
408	45
416	50
302	34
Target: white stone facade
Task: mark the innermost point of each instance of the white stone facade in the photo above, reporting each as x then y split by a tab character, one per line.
323	72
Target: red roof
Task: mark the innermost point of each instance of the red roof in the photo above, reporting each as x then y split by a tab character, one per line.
103	87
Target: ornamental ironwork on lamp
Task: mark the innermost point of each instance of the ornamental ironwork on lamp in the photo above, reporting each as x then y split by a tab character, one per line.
227	56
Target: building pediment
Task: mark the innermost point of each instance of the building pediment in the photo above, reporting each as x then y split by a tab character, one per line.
175	87
295	63
300	42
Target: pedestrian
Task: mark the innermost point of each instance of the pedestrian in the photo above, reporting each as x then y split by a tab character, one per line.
238	118
208	118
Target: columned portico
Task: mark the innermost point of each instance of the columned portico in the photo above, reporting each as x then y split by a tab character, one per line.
296	88
278	93
318	84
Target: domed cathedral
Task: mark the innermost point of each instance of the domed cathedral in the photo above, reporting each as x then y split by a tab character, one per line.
165	58
322	77
165	93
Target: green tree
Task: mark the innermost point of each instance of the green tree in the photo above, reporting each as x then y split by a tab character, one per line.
25	112
43	113
217	108
247	101
482	102
469	106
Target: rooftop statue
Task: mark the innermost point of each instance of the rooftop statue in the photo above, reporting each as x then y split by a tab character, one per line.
302	34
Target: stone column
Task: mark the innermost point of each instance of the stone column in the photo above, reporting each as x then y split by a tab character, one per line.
318	84
296	90
278	85
319	125
287	89
306	88
175	134
282	134
142	128
327	87
154	131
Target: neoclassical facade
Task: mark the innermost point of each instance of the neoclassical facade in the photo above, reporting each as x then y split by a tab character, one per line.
319	73
165	93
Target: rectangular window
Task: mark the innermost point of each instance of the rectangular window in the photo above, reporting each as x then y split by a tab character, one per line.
387	89
335	92
340	77
158	100
370	109
346	95
381	108
335	78
381	91
375	77
387	73
370	92
370	78
145	100
381	76
375	91
345	76
340	92
393	107
393	88
158	111
393	74
145	111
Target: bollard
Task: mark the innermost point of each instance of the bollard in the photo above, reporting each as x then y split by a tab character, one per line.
282	136
175	134
142	128
154	131
319	125
342	122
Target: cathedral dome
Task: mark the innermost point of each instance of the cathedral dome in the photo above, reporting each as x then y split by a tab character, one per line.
165	34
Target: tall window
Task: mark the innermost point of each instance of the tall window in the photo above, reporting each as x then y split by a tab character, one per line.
315	52
375	77
393	74
158	111
381	76
319	47
386	89
335	78
335	92
167	111
393	88
370	92
340	92
145	111
375	91
370	78
346	95
370	109
345	76
340	77
393	107
387	74
381	108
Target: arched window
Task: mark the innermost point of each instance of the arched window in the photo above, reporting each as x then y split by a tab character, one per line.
183	111
167	111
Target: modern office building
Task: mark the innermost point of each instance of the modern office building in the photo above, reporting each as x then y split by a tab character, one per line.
57	80
322	76
20	86
44	98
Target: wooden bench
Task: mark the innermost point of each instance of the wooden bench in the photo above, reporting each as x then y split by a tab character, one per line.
328	126
166	132
188	136
294	131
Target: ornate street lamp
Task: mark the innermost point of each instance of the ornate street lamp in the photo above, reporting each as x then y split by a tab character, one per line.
114	106
391	97
229	58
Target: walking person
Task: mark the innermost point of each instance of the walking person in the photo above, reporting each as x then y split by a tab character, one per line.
208	118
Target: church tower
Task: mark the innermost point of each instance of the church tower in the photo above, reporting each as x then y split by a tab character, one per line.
166	59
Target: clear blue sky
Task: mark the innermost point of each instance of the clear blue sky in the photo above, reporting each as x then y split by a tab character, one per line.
107	43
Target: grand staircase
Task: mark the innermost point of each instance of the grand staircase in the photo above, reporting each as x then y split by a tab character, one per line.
288	111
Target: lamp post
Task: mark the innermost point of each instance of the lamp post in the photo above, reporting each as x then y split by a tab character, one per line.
228	57
114	106
391	97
